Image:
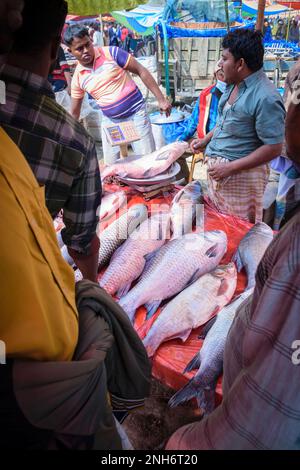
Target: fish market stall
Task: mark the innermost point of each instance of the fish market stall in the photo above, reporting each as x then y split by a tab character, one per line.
124	207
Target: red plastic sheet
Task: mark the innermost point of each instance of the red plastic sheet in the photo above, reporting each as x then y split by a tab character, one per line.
172	356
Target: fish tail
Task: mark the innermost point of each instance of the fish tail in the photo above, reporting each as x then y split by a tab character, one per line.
206	400
128	308
193	364
186	393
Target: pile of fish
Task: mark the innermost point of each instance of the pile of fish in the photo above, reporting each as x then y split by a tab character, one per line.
173	267
209	360
147	166
193	307
119	230
128	262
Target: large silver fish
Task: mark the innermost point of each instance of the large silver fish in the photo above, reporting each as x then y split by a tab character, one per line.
251	250
193	307
186	206
209	360
128	261
148	165
173	267
119	230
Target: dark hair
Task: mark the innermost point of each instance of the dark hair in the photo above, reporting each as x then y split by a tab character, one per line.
42	21
246	44
73	32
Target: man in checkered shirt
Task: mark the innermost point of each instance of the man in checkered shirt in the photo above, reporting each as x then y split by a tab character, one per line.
58	149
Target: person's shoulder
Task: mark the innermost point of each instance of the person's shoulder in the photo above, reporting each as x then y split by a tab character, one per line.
285	249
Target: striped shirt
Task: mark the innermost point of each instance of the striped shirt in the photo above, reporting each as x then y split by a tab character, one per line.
261	382
109	83
59	151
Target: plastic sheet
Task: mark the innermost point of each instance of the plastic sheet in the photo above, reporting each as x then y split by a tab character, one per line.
175	32
209	10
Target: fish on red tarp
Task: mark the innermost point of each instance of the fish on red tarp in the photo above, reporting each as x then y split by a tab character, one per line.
251	250
118	231
187	206
209	360
173	267
128	261
193	307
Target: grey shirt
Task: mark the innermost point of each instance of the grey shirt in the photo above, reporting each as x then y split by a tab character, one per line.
256	118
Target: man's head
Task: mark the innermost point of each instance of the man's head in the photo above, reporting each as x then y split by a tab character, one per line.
10	21
39	37
243	54
80	45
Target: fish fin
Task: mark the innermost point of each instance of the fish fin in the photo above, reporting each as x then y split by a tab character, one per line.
224	286
206	400
104	215
162	156
194	278
151	255
193	364
186	393
238	260
212	251
147	173
122	291
207	327
129	309
184	335
151	308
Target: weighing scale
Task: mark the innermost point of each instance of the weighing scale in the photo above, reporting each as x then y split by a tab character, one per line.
121	135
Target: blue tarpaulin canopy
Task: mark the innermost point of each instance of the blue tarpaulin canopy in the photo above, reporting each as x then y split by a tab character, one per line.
141	20
250	8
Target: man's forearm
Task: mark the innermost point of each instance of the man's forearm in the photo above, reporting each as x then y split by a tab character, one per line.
87	264
209	136
263	155
151	84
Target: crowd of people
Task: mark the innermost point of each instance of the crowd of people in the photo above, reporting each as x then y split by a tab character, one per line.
72	345
282	29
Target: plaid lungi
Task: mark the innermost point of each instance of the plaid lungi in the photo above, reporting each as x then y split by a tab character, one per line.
241	194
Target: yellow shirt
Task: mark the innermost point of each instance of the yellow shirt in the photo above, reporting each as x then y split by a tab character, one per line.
38	315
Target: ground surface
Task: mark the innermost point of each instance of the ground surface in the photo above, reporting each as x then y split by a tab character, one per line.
150	427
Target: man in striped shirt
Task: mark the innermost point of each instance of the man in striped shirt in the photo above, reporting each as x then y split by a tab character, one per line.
103	73
261	381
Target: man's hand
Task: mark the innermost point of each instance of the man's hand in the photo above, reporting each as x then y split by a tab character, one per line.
219	172
165	106
198	145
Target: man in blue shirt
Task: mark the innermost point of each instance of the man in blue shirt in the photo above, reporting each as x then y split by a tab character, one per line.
249	131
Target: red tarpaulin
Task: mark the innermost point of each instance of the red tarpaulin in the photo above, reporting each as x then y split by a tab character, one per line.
71	18
172	356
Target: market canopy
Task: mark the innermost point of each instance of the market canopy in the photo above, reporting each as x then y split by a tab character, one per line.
272	8
95	7
141	20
